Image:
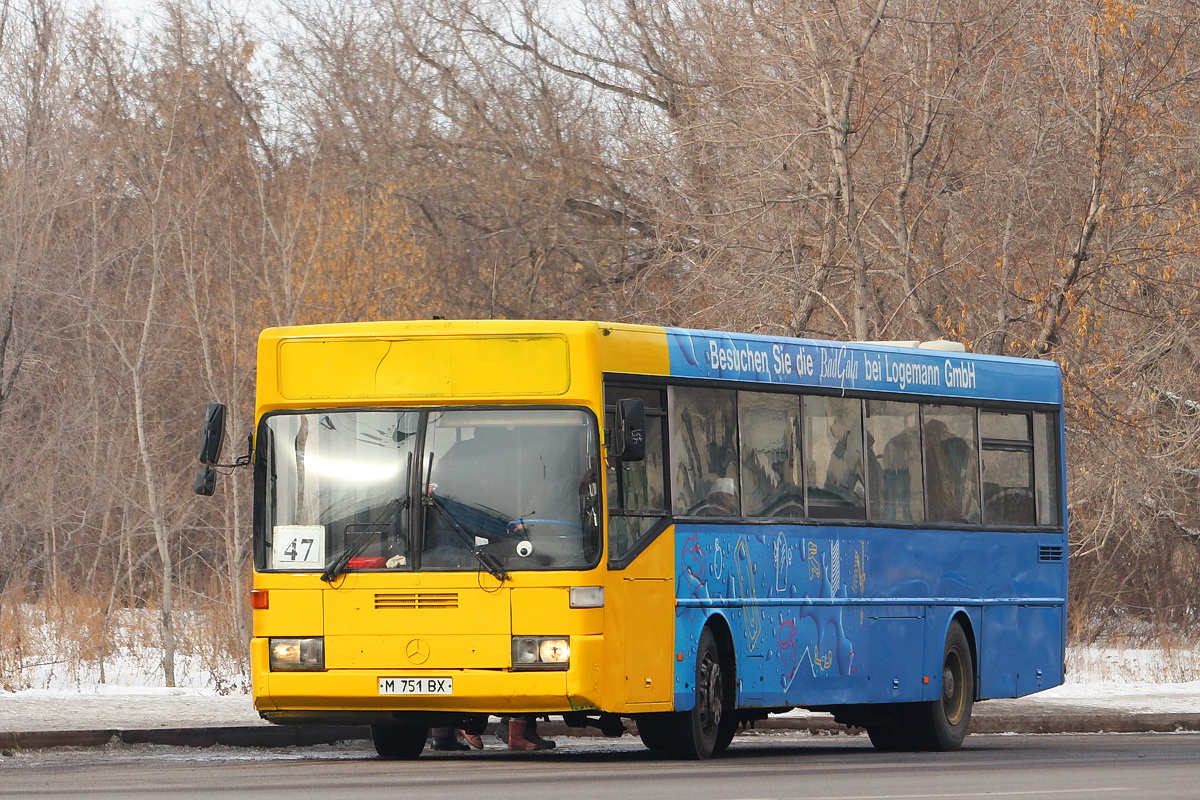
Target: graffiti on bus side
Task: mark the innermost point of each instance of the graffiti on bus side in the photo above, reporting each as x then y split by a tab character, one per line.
774	589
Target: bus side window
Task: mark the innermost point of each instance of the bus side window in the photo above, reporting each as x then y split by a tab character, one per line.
1045	463
897	488
704	460
1008	494
951	464
772	482
833	457
636	489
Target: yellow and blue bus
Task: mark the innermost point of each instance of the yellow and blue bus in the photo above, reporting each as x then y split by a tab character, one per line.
688	529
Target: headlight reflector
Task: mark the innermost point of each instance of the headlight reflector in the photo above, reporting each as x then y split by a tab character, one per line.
554	651
290	655
541	652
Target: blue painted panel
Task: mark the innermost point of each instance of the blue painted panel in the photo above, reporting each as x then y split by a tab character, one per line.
895	670
859	366
1022	644
1001	636
823	614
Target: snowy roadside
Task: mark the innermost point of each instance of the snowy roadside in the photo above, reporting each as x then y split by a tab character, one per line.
143	708
1101	682
123	708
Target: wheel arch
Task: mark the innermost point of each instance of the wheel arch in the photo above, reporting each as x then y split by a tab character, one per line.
968	626
685	666
723	635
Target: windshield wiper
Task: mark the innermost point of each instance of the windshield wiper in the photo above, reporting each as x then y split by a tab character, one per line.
388	516
339	564
486	560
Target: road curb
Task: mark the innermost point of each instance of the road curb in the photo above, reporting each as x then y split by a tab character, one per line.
230	736
1087	723
308	735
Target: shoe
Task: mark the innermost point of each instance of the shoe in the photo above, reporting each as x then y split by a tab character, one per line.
532	735
517	739
473	739
448	745
543	744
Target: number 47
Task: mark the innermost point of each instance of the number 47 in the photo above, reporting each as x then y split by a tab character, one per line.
292	551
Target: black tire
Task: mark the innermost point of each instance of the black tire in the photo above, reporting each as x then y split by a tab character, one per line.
889	733
943	723
728	730
698	731
399	742
656	731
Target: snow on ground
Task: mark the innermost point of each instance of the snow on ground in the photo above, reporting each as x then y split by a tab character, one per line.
133	695
1123	680
123	707
1133	680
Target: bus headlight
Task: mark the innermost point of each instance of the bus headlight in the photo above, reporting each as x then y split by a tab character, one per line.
290	655
541	652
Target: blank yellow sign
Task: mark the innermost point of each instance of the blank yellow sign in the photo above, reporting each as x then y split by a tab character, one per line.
467	366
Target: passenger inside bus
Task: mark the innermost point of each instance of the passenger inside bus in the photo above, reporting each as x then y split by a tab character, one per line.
951	482
722	500
900	492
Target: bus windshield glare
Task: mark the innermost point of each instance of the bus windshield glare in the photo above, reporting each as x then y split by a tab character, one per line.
429	490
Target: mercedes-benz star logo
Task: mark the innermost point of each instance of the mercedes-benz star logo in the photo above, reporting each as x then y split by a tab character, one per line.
417	651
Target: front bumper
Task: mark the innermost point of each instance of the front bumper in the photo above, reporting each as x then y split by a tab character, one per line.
351	696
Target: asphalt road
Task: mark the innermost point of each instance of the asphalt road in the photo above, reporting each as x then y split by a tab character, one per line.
764	765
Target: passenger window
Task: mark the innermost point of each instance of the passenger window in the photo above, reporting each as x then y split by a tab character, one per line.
772	482
951	464
1045	461
636	489
1010	426
896	488
1008	496
833	456
1007	487
704	461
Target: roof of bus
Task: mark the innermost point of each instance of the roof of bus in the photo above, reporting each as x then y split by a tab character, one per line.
755	358
385	328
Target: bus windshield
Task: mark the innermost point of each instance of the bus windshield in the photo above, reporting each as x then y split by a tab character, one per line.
462	489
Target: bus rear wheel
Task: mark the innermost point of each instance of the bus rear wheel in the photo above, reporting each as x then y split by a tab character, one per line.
942	723
399	742
890	733
939	724
699	732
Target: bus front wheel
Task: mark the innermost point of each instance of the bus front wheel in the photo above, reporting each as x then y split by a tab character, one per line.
656	731
699	733
399	742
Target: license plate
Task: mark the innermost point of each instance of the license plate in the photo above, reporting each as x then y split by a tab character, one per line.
416	686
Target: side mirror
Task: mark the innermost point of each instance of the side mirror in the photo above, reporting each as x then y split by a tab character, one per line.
631	429
205	482
212	434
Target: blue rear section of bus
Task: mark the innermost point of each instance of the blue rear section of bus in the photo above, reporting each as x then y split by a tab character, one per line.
819	614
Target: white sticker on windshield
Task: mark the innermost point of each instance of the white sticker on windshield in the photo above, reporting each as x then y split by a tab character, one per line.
298	546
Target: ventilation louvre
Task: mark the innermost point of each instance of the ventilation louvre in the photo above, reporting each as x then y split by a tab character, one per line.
415	601
1050	553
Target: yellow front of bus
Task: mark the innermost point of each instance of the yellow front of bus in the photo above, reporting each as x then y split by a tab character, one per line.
428	523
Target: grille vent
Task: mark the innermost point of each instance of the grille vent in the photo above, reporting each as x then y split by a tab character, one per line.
1050	553
415	601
